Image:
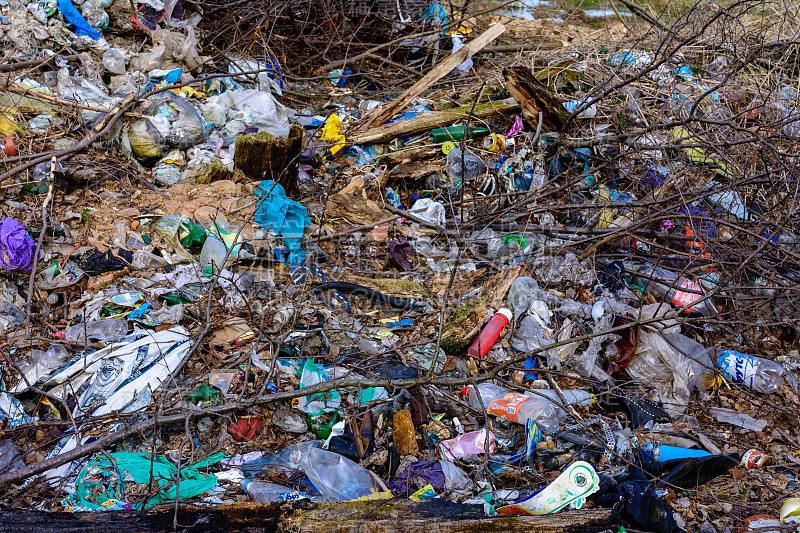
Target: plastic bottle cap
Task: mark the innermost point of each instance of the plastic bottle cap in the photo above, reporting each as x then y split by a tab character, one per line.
246	484
464	390
446	147
506	313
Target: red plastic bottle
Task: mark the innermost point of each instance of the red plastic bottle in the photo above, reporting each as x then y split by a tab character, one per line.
491	332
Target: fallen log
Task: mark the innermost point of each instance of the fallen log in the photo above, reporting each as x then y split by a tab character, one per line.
534	98
401	515
387	132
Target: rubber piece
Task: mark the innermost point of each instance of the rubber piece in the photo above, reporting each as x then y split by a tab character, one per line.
355	289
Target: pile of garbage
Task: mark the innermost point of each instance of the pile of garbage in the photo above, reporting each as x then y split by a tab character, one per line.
531	280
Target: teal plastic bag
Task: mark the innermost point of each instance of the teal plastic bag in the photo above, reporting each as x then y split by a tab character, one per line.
98	485
282	215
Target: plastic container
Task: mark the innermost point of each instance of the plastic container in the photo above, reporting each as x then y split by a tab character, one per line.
677	290
263	492
520	408
107	330
285	460
761	375
490	333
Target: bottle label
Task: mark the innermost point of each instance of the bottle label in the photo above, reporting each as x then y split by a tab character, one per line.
508	406
682	298
738	367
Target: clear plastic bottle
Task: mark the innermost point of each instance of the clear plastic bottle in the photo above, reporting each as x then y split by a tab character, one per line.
212	257
676	289
336	477
263	492
488	393
473	166
761	375
106	330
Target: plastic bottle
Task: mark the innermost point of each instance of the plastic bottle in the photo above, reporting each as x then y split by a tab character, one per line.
667	285
263	492
337	478
473	166
761	375
488	393
106	330
516	407
662	452
213	254
285	460
490	333
455	133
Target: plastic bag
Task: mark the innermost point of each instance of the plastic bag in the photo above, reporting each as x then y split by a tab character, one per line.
168	171
98	487
16	246
281	215
429	211
188	129
322	402
146	141
94	14
659	360
260	109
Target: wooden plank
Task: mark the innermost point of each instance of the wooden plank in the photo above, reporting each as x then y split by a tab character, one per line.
387	132
385	112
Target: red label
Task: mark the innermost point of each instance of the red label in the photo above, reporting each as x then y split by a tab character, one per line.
682	299
508	406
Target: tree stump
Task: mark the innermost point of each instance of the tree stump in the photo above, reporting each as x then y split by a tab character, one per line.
261	156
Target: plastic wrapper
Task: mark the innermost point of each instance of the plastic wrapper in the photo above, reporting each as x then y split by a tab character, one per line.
146	141
660	360
114	61
10	457
95	15
168	171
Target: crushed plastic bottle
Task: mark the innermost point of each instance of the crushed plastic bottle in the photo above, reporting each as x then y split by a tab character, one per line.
106	330
761	375
473	166
336	477
677	290
264	492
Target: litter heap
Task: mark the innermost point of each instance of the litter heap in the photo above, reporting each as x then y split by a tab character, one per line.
538	276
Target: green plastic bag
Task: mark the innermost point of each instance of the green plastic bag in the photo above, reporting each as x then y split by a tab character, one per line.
98	485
